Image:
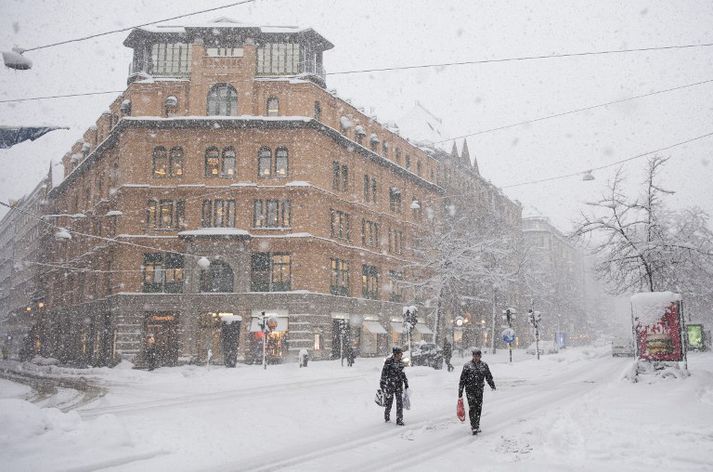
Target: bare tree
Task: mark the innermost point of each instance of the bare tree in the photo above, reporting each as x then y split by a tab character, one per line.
640	245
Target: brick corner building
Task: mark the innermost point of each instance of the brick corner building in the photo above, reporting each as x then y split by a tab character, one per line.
226	147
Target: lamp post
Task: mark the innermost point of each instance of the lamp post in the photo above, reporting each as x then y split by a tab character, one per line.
509	334
535	317
267	324
410	321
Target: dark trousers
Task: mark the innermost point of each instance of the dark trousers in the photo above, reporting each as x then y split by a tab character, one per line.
389	400
475	406
448	363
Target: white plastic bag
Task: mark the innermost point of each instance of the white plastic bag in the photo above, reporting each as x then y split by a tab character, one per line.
407	400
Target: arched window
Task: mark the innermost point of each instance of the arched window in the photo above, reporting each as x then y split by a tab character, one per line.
217	278
273	106
176	162
264	162
228	168
160	162
281	162
212	162
222	101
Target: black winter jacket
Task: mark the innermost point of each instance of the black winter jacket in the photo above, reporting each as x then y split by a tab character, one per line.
474	376
393	375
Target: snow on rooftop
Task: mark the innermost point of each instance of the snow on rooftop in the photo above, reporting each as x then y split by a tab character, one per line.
649	307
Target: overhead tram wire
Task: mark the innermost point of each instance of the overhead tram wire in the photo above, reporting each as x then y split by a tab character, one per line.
523	58
576	110
128	28
611	164
93	236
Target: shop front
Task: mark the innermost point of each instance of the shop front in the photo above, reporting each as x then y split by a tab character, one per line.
275	340
218	338
374	338
164	329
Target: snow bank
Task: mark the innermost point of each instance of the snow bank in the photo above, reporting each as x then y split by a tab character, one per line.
26	428
649	307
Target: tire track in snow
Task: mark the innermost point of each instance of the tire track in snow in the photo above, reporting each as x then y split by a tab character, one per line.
139	407
513	409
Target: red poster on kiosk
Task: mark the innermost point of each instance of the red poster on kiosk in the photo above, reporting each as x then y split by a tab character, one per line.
658	339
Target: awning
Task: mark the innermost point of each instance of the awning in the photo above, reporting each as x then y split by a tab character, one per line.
397	327
374	327
423	329
281	324
229	317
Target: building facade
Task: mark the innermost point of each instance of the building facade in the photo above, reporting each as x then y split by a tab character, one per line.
560	290
224	183
22	301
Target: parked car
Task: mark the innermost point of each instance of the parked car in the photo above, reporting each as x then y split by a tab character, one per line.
428	354
622	347
546	347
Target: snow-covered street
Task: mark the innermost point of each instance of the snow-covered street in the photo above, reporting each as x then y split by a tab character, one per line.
573	410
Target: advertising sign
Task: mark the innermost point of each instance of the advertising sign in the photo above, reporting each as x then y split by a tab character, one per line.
695	337
662	340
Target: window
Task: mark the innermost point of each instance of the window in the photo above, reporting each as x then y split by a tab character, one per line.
220	165
369	234
264	158
395	199
339	279
170	59
398	156
369	189
396	286
408	161
370	282
165	214
271	214
273	106
160	162
218	277
395	241
317	111
218	214
222	101
270	272
340	225
281	162
340	177
212	162
224	52
418	167
163	272
176	162
416	209
385	149
278	58
229	162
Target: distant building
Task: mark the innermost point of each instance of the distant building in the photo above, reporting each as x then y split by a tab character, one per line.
560	288
22	302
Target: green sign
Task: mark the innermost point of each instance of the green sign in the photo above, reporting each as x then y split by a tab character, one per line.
695	337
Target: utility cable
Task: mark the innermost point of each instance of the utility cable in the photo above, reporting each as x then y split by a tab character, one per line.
128	28
576	110
522	58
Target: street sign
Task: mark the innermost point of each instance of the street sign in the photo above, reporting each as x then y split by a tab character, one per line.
508	335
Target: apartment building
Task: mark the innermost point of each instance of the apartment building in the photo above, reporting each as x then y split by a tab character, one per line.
226	182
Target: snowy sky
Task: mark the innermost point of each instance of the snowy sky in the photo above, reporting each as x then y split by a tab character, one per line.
469	98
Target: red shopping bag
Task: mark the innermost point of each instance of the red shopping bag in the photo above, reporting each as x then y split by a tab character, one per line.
460	410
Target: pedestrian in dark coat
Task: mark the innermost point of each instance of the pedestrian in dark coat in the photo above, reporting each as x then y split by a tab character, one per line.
447	354
475	374
393	382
